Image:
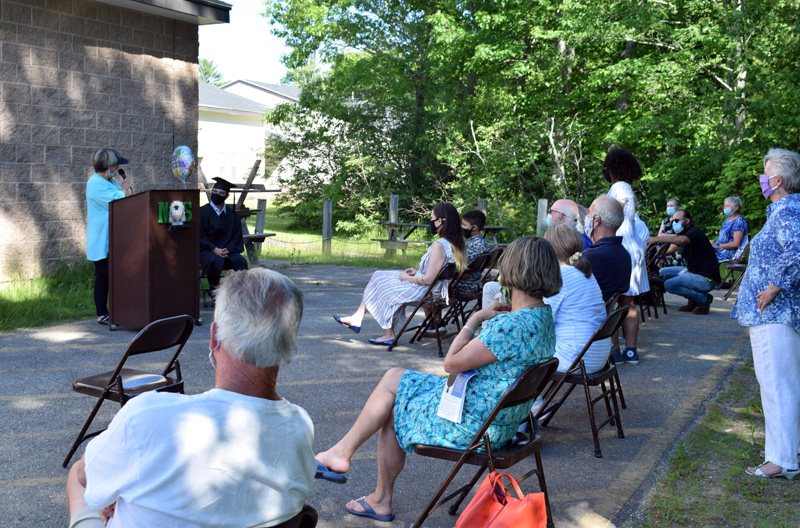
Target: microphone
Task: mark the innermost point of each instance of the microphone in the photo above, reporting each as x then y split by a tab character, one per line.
121	173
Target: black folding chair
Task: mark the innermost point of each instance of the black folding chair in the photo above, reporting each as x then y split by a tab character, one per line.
481	453
432	305
307	518
458	302
576	375
735	266
122	383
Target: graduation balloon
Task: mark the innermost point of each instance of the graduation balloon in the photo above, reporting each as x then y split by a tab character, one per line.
182	163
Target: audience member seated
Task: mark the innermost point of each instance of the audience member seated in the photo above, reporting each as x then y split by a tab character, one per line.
472	223
221	242
578	309
403	406
566	212
388	290
611	262
236	455
702	269
733	235
673	256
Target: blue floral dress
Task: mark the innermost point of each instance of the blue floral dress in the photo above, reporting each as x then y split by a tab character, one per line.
729	227
518	340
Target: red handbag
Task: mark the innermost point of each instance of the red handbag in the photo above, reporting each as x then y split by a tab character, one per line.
493	507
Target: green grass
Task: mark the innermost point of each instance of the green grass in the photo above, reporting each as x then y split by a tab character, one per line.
705	484
305	245
65	294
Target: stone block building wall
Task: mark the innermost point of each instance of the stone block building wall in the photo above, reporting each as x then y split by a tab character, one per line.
75	76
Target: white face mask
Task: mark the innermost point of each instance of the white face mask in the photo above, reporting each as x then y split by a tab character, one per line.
588	226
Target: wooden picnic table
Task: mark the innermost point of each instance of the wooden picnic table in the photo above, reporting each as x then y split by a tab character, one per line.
398	233
491	231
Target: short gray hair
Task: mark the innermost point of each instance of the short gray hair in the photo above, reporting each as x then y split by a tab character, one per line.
786	164
609	210
257	313
675	201
103	159
735	201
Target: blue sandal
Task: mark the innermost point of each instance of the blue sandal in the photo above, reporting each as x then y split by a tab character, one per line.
369	512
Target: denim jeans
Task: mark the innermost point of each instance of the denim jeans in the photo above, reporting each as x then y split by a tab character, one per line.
679	281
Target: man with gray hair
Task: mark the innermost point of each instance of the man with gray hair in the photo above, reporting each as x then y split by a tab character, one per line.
611	263
568	212
236	455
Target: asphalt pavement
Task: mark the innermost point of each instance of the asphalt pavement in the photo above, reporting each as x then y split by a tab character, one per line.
684	360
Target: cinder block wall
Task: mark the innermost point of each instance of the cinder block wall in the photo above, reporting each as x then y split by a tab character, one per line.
76	76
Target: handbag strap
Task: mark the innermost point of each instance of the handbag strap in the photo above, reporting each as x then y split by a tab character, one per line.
514	484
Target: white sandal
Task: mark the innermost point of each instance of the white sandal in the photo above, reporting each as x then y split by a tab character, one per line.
789	474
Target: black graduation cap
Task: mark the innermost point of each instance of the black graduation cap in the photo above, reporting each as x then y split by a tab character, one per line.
223	184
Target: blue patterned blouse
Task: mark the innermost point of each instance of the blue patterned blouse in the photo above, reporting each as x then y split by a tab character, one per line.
774	259
729	227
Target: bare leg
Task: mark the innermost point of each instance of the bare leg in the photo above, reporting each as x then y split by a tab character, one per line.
357	317
391	459
630	326
376	414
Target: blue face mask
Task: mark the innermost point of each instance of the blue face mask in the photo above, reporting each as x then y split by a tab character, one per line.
677	227
548	220
727	211
670	211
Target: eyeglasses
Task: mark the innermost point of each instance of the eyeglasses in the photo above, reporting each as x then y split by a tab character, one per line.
551	211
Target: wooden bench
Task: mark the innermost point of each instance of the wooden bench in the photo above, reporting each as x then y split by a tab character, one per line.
250	241
399	244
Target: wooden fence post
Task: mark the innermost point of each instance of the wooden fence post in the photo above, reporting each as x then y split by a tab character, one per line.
261	219
327	226
483	206
394	216
541	224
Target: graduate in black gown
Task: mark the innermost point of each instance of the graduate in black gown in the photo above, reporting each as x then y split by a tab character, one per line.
221	242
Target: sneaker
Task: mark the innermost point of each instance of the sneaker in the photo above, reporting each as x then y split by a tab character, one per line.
617	355
631	357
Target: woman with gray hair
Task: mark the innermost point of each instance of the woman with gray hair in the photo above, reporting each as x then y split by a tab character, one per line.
101	189
403	406
769	304
733	236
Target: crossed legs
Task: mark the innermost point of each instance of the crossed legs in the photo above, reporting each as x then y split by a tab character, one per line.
377	415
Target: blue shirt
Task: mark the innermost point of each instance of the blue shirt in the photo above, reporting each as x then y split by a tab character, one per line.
611	265
774	259
99	192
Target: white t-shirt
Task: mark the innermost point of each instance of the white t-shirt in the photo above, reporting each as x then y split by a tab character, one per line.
578	310
208	460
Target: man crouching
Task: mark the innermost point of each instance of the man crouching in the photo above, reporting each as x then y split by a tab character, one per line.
237	455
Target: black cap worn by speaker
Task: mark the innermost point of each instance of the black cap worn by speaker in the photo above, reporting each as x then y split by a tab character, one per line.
223	184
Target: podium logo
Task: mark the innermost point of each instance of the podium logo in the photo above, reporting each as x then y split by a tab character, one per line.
163	212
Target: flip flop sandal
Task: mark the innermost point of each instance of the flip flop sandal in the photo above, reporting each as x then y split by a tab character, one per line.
369	512
103	320
326	474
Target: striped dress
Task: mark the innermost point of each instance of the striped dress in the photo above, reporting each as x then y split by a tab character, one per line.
385	293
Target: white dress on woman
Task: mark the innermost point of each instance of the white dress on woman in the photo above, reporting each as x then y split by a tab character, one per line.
623	193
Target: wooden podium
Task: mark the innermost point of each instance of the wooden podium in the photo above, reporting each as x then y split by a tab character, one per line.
153	267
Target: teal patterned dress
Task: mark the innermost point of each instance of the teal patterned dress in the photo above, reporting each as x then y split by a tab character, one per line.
518	340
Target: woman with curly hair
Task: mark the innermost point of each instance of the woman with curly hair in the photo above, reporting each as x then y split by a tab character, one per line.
621	169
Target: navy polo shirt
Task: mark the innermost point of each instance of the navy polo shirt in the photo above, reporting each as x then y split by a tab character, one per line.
611	265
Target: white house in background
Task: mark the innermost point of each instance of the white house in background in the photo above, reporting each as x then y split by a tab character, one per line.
231	131
270	95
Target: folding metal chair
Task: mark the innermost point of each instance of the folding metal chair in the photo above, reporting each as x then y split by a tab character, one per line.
611	305
494	258
433	307
481	453
458	306
576	375
735	266
122	384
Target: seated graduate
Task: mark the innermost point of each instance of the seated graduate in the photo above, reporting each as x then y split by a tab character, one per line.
236	455
221	242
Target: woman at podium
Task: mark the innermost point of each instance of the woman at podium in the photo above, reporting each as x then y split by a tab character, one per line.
101	189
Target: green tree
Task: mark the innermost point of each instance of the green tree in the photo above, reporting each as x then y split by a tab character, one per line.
209	73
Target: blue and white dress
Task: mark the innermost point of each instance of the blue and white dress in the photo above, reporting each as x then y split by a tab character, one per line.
385	293
729	227
518	340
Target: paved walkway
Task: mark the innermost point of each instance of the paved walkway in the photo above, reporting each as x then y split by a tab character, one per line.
684	358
